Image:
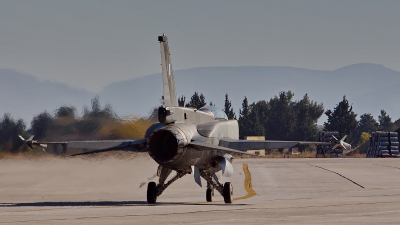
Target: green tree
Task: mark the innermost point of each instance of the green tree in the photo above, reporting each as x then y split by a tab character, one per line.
307	113
41	124
257	118
282	117
367	123
9	131
196	101
228	108
181	101
244	118
7	124
66	111
97	111
384	120
342	118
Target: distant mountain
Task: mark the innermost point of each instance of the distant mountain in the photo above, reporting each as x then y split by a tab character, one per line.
369	87
24	96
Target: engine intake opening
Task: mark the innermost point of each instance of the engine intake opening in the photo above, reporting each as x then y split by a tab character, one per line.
163	145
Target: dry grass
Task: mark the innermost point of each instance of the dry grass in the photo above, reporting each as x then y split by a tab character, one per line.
356	154
277	154
304	154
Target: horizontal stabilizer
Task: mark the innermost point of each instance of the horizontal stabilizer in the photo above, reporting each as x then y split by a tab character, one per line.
206	146
244	145
135	146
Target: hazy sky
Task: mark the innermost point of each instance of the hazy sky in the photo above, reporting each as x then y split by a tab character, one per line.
90	44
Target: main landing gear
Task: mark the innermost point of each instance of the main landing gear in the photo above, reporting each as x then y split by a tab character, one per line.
154	190
226	190
210	194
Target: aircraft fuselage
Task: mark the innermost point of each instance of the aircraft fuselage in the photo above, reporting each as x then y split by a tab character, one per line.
170	145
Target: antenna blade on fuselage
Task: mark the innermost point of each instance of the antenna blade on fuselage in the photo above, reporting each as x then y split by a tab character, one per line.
170	96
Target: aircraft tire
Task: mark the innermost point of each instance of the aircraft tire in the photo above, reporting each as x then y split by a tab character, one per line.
151	192
209	195
228	192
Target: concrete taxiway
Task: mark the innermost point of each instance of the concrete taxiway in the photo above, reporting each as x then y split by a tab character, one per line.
112	190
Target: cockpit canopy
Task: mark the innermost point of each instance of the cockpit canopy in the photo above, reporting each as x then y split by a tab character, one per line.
218	113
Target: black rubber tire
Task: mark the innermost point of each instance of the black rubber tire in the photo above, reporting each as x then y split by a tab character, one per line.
228	192
151	192
209	195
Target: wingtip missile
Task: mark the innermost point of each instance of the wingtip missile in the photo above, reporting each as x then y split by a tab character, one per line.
30	142
336	143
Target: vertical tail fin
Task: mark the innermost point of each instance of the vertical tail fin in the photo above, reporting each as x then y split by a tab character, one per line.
170	97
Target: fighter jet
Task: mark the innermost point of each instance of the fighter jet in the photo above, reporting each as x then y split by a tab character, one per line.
186	140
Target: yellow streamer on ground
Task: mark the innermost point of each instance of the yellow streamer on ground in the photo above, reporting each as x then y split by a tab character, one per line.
247	184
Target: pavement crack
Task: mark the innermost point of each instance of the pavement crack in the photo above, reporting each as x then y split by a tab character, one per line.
338	174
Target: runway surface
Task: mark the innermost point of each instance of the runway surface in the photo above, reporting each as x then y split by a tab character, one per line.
112	190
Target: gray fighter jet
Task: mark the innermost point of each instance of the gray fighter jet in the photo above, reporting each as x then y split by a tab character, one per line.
186	140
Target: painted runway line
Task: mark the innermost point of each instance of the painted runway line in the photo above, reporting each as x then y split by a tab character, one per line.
247	184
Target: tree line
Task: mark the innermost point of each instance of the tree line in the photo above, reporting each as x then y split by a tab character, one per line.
95	123
282	118
279	118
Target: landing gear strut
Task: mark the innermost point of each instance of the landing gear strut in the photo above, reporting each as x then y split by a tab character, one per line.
225	190
154	190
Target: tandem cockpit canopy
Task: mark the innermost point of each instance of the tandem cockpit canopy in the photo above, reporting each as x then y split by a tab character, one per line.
218	113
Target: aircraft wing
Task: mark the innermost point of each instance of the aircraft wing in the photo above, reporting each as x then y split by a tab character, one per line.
243	145
206	146
90	147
